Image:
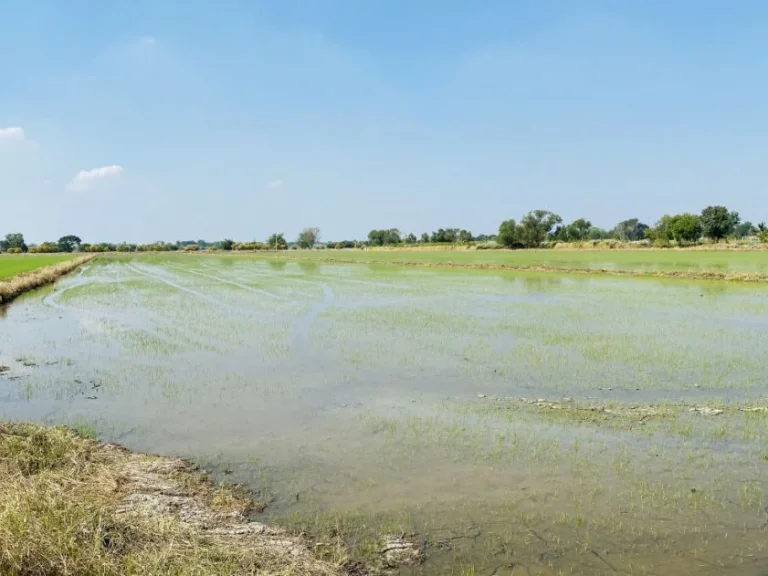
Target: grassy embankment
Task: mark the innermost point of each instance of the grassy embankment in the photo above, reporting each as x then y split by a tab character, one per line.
72	505
19	274
12	264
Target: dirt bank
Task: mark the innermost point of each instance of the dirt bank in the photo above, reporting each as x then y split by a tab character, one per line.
72	505
16	286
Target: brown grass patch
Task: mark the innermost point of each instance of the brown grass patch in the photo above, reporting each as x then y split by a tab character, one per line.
10	289
71	505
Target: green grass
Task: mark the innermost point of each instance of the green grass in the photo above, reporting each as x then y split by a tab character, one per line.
12	264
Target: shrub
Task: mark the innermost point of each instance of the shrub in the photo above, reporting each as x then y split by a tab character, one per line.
15	250
191	248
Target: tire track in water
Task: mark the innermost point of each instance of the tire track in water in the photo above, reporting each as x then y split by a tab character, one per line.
181	288
300	343
232	282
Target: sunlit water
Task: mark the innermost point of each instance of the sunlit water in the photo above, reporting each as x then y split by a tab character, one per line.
388	399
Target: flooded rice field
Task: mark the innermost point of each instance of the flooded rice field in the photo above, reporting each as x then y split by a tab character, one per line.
507	423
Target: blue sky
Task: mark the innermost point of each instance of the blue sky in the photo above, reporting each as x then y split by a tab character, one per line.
140	120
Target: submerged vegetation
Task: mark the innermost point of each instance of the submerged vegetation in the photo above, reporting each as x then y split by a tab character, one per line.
464	422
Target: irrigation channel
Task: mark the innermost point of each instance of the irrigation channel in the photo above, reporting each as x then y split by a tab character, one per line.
509	423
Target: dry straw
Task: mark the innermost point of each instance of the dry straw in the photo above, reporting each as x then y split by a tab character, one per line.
10	289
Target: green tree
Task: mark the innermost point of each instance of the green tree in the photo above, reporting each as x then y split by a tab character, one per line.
717	222
424	238
227	244
69	243
308	238
411	239
744	229
762	232
596	233
578	230
630	230
16	241
535	226
685	228
465	236
508	234
384	237
277	241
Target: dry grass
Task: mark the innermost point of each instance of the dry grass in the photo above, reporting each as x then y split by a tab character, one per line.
71	505
17	285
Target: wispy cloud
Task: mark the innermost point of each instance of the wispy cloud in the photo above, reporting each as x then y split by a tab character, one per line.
274	184
12	133
86	178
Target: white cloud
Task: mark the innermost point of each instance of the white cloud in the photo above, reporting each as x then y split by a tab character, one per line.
274	184
85	178
12	133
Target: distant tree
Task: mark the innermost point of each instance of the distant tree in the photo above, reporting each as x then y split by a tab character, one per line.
536	225
308	238
686	228
578	230
596	233
424	238
15	240
384	237
717	222
661	232
277	242
411	239
227	244
630	230
745	229
45	248
508	234
69	243
762	232
464	236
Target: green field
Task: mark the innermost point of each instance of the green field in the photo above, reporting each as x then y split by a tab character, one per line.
12	264
735	261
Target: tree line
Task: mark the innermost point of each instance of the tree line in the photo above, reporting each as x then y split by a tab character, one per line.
535	229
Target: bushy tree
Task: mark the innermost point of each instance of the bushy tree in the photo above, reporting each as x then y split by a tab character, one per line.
536	225
508	234
424	238
384	237
277	242
227	244
762	232
465	236
596	233
69	243
686	228
630	230
15	241
745	229
45	248
411	239
308	238
578	230
717	222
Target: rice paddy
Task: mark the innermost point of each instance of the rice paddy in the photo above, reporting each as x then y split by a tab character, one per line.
505	422
733	261
13	264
